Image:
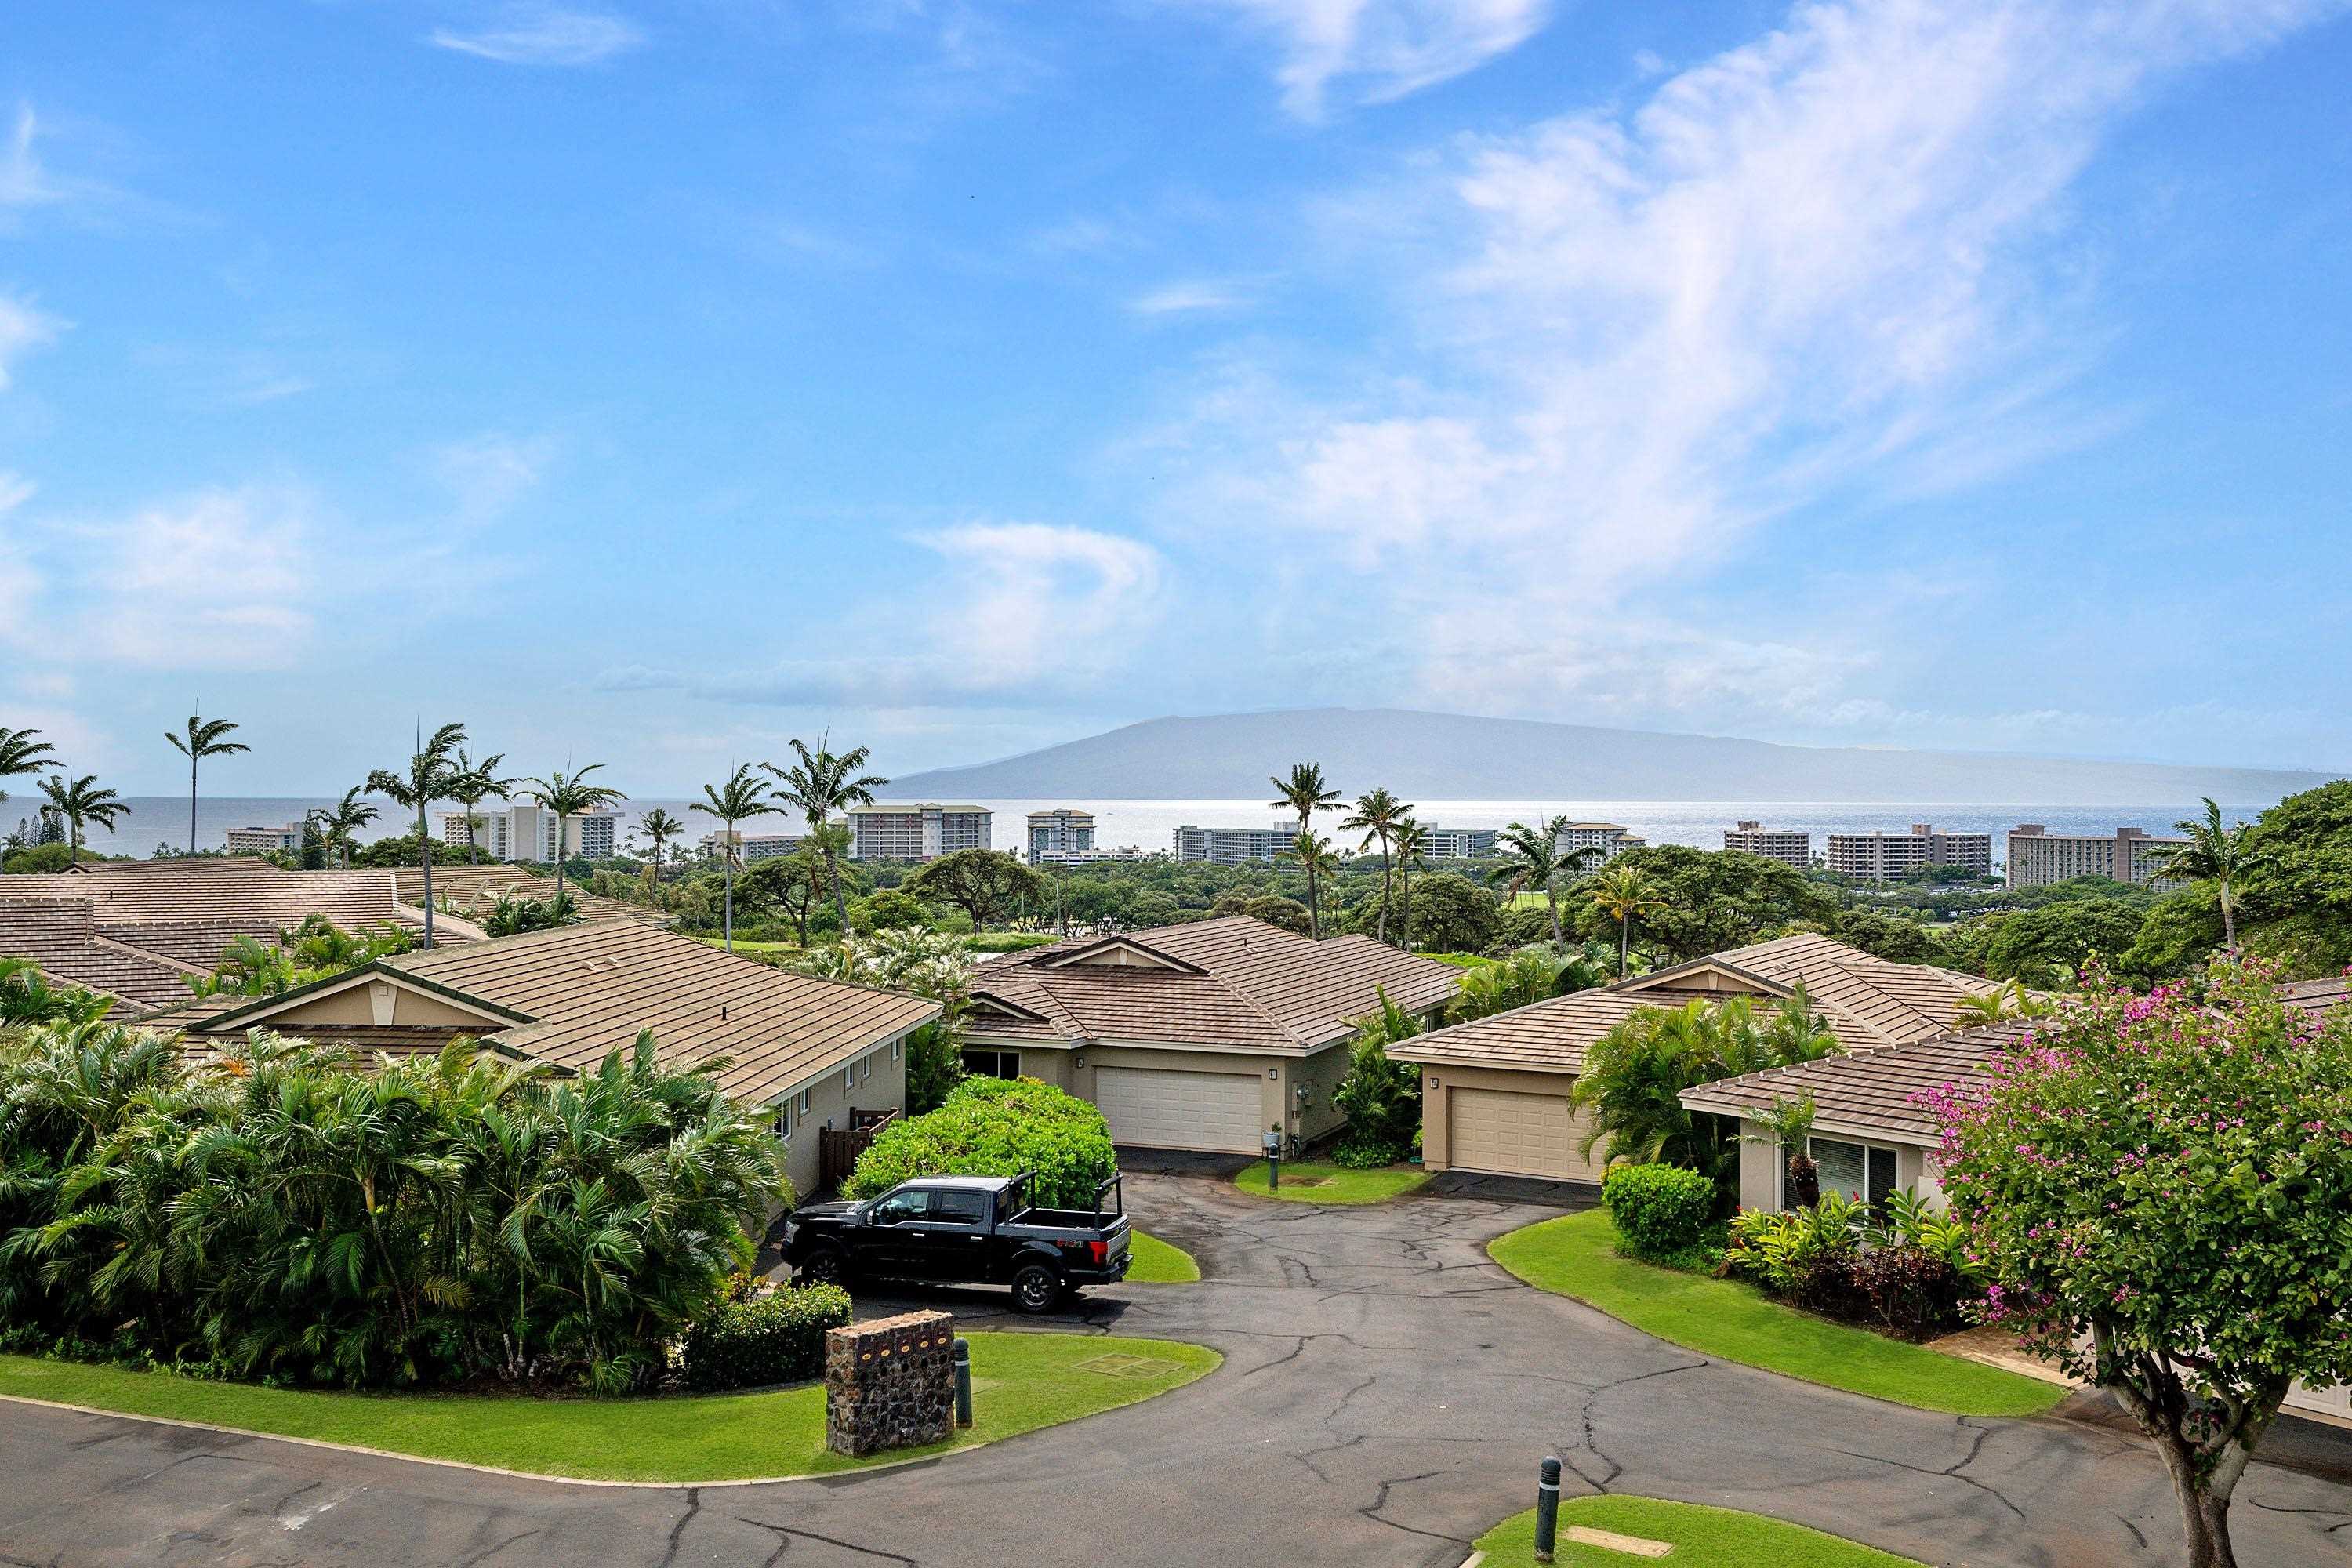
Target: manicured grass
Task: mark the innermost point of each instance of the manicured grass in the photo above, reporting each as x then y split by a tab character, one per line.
1701	1538
1151	1261
1458	960
757	949
1315	1182
1020	1382
1734	1320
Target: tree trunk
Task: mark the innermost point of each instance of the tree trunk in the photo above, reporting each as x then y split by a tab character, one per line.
2204	1518
2229	918
191	815
1380	925
1624	932
840	905
1404	911
1551	896
424	849
727	866
561	822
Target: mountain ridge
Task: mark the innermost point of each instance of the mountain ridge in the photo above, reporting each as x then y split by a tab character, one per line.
1452	756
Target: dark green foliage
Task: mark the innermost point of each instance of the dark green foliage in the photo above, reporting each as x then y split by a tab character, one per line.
41	859
442	1220
1379	1097
753	1341
1660	1210
2296	905
1453	914
996	1127
1890	937
934	1065
1712	899
2047	947
385	854
986	884
511	916
1277	911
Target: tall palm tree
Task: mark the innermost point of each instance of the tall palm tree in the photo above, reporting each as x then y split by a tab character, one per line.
566	796
1375	816
339	825
432	770
739	797
203	740
2214	854
476	782
820	785
1532	857
82	801
20	754
1312	850
658	828
1625	894
1306	793
1410	840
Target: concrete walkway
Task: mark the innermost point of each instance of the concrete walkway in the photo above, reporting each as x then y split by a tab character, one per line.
1386	1396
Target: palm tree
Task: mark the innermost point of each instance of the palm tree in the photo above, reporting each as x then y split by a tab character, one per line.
339	825
739	797
476	782
1312	850
1635	1075
658	828
432	771
1625	894
20	753
1533	856
1306	793
1376	815
203	740
1410	841
2214	854
567	795
820	785
82	801
1980	1008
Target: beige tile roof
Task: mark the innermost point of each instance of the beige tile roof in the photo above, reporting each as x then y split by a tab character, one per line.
1869	1002
62	939
1874	1092
1241	984
587	990
475	889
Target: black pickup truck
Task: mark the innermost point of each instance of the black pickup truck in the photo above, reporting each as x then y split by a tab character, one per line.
964	1230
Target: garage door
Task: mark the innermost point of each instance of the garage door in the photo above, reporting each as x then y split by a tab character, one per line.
1161	1109
1509	1133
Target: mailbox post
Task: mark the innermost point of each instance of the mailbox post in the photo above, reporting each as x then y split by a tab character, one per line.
1273	1160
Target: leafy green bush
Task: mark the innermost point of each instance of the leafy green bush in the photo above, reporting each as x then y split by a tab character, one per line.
1658	1210
762	1340
1367	1154
996	1127
1379	1097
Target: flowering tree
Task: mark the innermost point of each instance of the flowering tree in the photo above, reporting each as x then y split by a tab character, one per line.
2159	1190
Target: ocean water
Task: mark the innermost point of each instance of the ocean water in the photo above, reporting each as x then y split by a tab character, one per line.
1151	823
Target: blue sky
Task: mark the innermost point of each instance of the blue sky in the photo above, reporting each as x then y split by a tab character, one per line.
649	382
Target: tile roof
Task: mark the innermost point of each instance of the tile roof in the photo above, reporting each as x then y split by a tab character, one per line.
1234	982
62	939
1869	1002
587	990
475	889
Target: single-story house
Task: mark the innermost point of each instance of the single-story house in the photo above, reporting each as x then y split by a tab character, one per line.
1872	1134
1495	1091
811	1052
1200	1036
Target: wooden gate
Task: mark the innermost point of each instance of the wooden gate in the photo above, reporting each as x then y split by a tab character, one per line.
837	1148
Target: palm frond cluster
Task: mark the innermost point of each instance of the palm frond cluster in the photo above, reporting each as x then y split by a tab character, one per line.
453	1219
313	950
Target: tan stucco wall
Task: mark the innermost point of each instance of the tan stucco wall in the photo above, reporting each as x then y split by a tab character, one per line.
1439	1079
359	1004
881	1085
1278	1076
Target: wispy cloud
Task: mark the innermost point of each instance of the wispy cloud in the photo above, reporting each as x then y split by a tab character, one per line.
488	475
217	580
1382	49
545	36
1019	611
23	182
21	330
1197	295
1828	261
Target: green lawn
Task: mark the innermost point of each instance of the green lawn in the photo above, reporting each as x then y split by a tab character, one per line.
1315	1182
1020	1382
1734	1320
1151	1261
1458	960
756	949
1701	1537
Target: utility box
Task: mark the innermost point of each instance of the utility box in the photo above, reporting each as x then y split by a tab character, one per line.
889	1383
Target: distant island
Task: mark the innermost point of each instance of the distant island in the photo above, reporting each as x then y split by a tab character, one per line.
1452	756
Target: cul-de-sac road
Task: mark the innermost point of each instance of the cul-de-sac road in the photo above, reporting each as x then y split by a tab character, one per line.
1386	1395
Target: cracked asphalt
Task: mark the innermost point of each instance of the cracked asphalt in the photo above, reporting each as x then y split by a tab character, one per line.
1386	1396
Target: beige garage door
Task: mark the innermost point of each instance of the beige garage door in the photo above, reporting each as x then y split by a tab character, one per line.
1509	1133
1163	1109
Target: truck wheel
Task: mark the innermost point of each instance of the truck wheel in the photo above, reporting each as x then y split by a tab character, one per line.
826	1265
1035	1290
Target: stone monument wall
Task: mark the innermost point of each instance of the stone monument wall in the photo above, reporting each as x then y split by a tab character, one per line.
889	1383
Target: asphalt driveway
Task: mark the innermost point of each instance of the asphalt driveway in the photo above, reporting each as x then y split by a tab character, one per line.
1386	1396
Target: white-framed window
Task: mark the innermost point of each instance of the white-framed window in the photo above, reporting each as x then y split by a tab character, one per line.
849	1077
1865	1172
784	1122
805	1102
893	1053
865	1068
991	1064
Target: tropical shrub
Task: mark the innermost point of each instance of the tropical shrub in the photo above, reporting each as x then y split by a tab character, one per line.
995	1126
449	1219
27	998
757	1340
511	916
1659	1210
1380	1097
1903	1271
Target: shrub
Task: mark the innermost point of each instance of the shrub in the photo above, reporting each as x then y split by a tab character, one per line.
1906	1291
1368	1153
1659	1209
760	1340
996	1127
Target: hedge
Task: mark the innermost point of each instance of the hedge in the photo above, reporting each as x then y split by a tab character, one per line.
996	1127
1660	1210
764	1339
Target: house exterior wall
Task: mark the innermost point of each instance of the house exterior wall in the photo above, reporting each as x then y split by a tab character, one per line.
1439	1079
1278	1077
877	1082
378	1000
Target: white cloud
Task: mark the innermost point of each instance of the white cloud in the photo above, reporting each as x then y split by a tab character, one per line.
545	36
21	330
219	580
1832	259
1022	611
23	182
1193	297
490	473
1385	49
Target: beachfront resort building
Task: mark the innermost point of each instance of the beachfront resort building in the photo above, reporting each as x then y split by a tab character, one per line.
1608	840
1891	857
1753	838
527	832
265	840
1058	833
1233	846
2038	857
916	830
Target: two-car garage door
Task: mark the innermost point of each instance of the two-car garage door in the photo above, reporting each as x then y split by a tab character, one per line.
1512	1133
1156	1107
